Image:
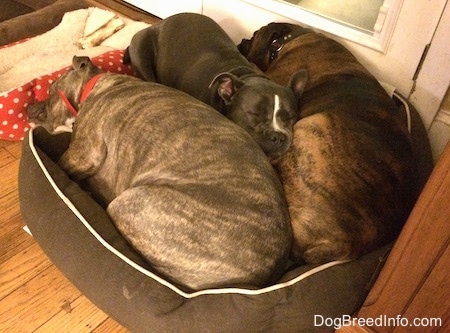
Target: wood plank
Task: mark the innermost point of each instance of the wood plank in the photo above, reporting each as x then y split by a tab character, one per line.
110	326
14	241
6	157
15	149
353	329
78	316
31	305
22	267
9	178
10	211
4	143
7	143
431	303
422	241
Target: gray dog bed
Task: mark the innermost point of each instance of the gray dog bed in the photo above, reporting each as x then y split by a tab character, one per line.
78	236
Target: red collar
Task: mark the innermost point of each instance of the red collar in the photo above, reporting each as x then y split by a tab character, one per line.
84	94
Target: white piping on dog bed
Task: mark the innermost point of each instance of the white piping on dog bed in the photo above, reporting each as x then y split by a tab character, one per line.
407	110
391	91
156	277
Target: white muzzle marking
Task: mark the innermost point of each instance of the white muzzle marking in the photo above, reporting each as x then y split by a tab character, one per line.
275	122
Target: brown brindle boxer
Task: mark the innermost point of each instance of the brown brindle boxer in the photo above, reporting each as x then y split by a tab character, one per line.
348	174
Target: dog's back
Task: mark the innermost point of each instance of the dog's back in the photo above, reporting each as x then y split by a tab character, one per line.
188	188
196	42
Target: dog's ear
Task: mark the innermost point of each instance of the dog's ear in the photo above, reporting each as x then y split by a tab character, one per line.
80	62
227	85
297	82
244	47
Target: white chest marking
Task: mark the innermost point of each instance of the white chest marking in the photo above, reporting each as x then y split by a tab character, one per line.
67	127
275	124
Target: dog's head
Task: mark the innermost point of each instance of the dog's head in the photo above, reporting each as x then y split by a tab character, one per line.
267	40
54	114
265	109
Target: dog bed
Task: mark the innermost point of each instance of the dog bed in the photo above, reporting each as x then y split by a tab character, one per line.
42	16
27	69
14	103
77	235
80	239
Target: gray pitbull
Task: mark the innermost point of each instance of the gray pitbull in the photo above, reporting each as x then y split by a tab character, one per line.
190	190
192	53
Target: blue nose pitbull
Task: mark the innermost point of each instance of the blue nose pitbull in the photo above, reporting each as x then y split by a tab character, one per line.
192	53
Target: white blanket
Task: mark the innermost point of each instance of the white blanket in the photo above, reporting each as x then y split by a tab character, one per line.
54	49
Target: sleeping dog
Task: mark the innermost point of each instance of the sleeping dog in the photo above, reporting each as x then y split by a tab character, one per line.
348	174
190	190
192	53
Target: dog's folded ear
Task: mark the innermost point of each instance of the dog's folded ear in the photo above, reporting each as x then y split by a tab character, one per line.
228	84
297	82
244	46
80	62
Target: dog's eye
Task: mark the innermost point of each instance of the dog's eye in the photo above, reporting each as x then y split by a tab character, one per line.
253	114
253	117
42	115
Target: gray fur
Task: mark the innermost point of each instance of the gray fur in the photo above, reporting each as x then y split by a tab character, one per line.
192	53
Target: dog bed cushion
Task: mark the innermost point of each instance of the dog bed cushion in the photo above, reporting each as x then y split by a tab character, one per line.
77	235
14	103
37	22
27	69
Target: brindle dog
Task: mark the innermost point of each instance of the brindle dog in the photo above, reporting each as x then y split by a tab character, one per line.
348	175
189	189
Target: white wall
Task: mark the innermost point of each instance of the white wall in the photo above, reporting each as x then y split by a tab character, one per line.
165	8
397	67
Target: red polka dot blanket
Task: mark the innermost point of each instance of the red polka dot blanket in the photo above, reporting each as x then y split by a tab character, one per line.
14	103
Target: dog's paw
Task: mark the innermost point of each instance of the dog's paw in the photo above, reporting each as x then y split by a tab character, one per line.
327	251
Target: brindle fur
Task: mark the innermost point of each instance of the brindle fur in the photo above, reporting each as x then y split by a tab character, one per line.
348	174
186	187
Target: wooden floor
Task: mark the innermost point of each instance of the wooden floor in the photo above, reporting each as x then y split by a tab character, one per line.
34	295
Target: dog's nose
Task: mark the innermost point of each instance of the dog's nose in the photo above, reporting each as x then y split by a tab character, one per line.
277	138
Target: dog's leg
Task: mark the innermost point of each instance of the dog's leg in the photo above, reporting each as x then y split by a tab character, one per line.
327	250
146	218
79	165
